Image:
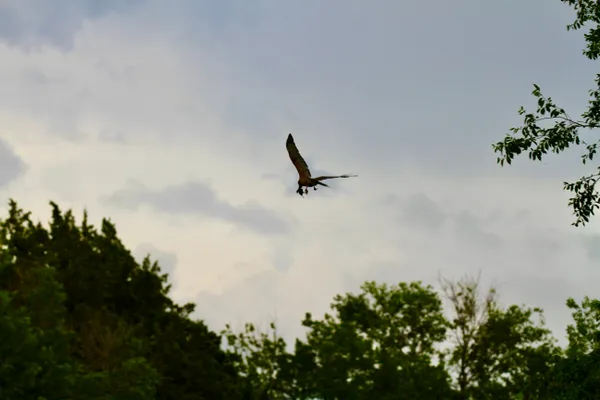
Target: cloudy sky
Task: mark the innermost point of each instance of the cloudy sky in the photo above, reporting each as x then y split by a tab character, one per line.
171	118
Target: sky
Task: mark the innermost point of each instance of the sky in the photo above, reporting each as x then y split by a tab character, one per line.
170	118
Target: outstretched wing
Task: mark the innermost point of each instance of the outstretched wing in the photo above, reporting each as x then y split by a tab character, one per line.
296	158
322	178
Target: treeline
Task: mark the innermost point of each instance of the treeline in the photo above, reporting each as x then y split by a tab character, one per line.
81	319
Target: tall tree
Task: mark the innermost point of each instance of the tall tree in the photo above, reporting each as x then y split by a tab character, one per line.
44	363
128	334
551	128
385	343
496	353
379	344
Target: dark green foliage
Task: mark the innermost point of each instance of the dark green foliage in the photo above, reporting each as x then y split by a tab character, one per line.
80	319
576	373
94	324
551	129
378	344
385	342
34	361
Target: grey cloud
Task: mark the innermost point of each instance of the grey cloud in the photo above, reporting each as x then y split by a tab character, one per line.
473	228
112	137
548	281
166	260
257	299
39	78
32	23
422	212
591	244
419	211
199	198
438	94
11	165
282	258
288	182
270	176
380	271
258	291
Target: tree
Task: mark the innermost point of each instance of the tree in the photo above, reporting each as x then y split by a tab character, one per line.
551	128
34	353
496	353
81	319
386	343
128	339
576	374
264	362
379	344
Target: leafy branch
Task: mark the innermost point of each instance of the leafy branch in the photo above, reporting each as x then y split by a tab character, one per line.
551	129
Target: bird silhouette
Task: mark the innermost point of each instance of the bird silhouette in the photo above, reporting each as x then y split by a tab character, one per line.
304	178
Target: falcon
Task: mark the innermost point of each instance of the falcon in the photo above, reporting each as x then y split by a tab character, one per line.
304	178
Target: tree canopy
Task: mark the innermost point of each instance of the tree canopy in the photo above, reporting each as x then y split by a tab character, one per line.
398	342
82	319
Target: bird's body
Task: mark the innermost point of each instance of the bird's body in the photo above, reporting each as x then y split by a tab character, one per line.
304	177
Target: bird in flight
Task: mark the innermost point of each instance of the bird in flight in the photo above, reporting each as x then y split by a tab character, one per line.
304	178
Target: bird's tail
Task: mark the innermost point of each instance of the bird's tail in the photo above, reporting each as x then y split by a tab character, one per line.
322	184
